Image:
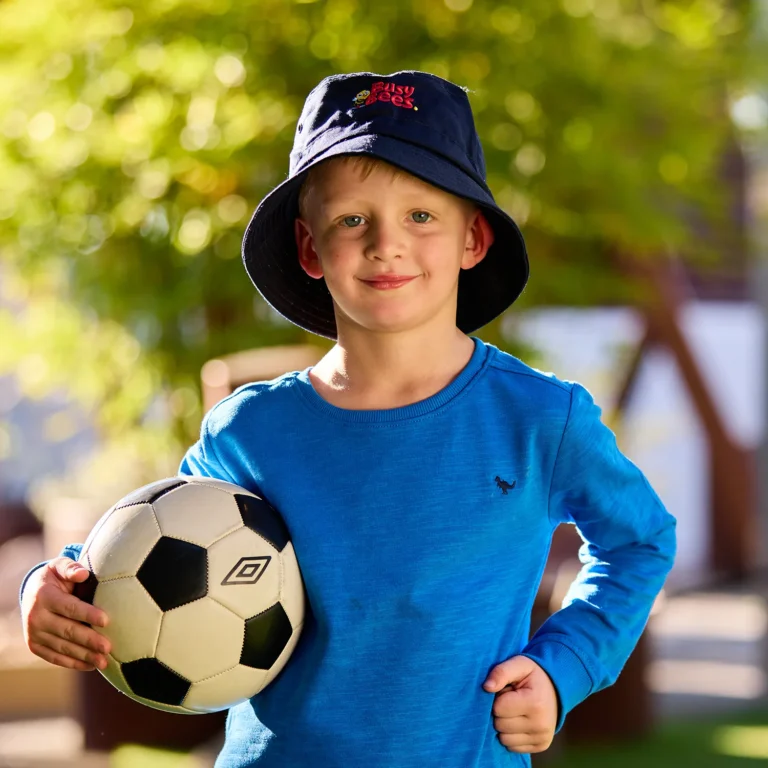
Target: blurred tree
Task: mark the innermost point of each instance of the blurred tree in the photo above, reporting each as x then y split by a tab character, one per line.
136	138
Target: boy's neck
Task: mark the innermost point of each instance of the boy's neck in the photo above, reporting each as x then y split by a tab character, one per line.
376	372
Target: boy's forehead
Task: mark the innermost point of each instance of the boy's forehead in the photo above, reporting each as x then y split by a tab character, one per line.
342	177
361	168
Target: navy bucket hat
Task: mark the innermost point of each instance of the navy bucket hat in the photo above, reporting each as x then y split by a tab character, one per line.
418	122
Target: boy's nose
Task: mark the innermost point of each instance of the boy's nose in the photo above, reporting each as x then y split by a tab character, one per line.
385	243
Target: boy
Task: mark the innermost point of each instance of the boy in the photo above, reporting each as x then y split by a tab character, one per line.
421	472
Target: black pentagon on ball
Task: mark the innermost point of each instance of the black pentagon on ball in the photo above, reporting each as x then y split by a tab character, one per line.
175	573
152	680
263	519
266	636
149	493
86	590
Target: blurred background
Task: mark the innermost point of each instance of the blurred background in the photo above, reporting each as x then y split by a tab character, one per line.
629	140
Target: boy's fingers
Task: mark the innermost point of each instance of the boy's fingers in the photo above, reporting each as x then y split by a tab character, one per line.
511	704
75	632
520	724
71	607
68	650
58	659
69	570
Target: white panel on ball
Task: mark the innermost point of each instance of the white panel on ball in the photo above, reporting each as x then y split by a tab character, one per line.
115	676
94	532
218	639
134	618
123	541
225	690
198	513
292	588
240	576
222	485
164	707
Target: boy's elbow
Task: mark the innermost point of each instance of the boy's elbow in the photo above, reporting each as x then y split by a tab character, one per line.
665	540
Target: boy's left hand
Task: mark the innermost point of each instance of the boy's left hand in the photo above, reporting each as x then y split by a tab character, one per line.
525	714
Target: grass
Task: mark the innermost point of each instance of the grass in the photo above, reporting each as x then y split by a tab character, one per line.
739	741
136	756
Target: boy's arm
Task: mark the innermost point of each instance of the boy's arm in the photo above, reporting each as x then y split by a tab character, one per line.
629	547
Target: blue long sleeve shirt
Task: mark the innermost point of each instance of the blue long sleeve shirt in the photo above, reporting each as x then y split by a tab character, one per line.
422	533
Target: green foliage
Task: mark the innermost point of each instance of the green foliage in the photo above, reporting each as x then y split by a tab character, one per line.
136	756
136	139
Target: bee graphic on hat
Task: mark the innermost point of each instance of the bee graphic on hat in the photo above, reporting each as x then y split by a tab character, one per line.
397	95
361	97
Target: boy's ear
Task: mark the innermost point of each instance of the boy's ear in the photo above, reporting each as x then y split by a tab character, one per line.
308	258
479	239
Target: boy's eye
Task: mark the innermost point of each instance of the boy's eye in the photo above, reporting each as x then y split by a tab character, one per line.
352	221
421	217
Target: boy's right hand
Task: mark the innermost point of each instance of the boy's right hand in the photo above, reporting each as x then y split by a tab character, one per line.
51	616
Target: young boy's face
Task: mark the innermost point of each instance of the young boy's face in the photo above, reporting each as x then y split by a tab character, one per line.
355	227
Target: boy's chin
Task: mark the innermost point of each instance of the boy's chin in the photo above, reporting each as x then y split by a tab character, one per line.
386	325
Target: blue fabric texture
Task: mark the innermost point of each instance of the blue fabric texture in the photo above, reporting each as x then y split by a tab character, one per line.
422	533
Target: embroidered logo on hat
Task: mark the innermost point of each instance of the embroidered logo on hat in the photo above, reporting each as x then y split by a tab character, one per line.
398	95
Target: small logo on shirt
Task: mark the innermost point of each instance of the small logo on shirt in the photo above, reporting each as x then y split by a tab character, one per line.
504	485
398	95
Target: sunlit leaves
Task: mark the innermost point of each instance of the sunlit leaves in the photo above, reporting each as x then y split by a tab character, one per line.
49	343
135	142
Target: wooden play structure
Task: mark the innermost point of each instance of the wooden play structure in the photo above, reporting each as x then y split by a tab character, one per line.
733	468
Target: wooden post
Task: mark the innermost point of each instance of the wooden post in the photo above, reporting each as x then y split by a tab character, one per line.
619	713
221	376
733	475
110	718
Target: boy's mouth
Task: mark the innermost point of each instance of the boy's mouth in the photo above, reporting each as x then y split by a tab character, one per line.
387	278
389	281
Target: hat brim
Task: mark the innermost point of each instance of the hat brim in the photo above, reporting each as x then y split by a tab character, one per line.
271	258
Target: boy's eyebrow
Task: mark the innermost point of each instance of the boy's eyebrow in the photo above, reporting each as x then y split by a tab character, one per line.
327	202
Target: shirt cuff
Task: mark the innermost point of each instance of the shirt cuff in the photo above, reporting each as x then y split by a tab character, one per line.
72	551
567	672
26	578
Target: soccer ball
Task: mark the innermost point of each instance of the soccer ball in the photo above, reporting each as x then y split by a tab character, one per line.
203	592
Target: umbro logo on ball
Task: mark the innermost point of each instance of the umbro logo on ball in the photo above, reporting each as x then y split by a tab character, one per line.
248	570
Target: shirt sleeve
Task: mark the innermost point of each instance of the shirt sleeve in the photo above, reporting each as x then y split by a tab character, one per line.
72	551
628	550
201	459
